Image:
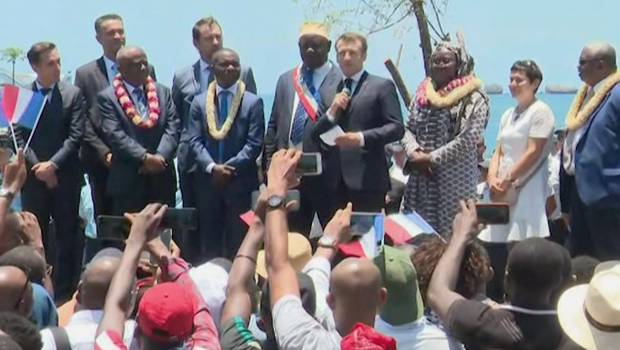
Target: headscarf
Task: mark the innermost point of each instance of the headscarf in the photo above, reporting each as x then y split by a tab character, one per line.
464	61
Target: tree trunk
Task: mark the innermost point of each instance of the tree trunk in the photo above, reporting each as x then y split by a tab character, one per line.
425	36
13	73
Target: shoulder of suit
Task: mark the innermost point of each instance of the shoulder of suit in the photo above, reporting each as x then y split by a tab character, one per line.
68	88
184	70
87	67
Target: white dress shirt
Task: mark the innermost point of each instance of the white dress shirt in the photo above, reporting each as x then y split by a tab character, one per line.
574	136
81	331
218	89
205	73
355	80
111	69
318	77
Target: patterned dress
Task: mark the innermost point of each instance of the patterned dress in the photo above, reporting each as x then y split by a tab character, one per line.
450	135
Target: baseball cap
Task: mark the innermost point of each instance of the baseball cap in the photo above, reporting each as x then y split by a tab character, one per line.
404	302
166	312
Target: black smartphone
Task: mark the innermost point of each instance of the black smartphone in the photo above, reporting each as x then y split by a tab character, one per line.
493	213
118	227
180	218
310	164
291	195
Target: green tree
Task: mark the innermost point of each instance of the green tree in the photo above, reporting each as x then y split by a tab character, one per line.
372	16
12	55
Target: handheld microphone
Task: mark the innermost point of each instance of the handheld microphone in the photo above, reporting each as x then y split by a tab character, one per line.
340	112
346	91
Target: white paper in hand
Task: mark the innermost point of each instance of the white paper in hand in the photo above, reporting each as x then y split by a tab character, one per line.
329	137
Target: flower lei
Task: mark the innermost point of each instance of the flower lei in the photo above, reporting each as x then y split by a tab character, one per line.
447	96
232	111
576	118
130	109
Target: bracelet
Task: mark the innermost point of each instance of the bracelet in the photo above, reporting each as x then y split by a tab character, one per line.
247	257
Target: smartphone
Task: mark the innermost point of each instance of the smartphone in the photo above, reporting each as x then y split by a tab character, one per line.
113	227
362	223
493	213
310	164
291	195
180	218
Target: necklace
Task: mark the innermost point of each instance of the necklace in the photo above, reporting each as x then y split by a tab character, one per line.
130	109
577	116
447	96
220	134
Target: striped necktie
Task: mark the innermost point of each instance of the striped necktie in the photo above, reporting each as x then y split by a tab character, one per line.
300	117
141	103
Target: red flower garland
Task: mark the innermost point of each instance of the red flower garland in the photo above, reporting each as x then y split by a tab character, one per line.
420	93
130	109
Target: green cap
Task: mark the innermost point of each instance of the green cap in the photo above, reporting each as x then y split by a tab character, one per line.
404	302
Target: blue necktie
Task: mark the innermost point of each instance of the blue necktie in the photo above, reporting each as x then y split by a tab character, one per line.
141	103
299	120
205	78
222	115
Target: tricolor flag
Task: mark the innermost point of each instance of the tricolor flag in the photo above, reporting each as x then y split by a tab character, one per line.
370	231
20	106
402	227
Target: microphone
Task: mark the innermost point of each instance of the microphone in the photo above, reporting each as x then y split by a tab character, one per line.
340	112
346	91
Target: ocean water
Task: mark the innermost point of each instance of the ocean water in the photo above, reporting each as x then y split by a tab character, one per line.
559	103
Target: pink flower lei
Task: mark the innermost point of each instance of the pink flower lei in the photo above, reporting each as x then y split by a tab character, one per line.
130	109
421	98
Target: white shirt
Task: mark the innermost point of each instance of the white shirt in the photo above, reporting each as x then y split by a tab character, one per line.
81	331
574	136
111	69
232	91
205	73
355	79
418	335
318	77
554	185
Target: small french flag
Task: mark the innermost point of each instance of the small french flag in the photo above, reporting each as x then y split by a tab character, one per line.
402	227
371	237
20	106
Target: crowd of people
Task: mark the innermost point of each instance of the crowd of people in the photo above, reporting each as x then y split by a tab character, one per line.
251	275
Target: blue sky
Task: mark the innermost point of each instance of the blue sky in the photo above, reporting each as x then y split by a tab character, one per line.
497	32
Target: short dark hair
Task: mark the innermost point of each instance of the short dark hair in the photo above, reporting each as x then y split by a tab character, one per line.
529	68
209	21
27	259
22	331
349	37
583	268
535	265
38	50
6	343
307	294
107	17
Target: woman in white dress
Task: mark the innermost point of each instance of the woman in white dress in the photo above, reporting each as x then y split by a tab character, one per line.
519	167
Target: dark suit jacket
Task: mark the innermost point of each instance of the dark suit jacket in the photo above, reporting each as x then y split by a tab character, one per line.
597	156
375	111
60	129
186	85
242	145
91	78
129	143
279	126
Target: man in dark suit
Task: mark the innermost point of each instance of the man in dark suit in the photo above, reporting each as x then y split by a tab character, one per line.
371	118
91	78
226	144
592	153
293	117
143	134
53	183
187	83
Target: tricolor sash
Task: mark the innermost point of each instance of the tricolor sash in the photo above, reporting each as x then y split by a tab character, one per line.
306	97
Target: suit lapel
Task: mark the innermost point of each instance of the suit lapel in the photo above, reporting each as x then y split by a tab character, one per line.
359	90
102	72
196	76
330	85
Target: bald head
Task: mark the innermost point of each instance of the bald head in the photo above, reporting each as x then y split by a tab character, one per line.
96	281
128	52
356	278
13	284
602	51
133	65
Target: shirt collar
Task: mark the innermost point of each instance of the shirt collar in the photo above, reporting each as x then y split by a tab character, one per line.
204	65
84	317
322	70
39	86
130	88
357	76
232	89
108	63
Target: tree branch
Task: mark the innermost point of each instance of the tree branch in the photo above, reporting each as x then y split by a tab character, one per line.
390	25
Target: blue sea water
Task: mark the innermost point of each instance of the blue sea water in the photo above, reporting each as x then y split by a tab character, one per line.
559	103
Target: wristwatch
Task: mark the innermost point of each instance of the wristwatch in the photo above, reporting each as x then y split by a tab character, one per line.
274	201
6	193
327	242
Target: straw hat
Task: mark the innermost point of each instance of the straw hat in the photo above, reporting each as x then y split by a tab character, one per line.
589	314
299	253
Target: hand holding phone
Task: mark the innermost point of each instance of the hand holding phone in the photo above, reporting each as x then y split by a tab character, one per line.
493	213
310	164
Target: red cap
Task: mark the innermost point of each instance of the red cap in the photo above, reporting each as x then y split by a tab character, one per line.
166	312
